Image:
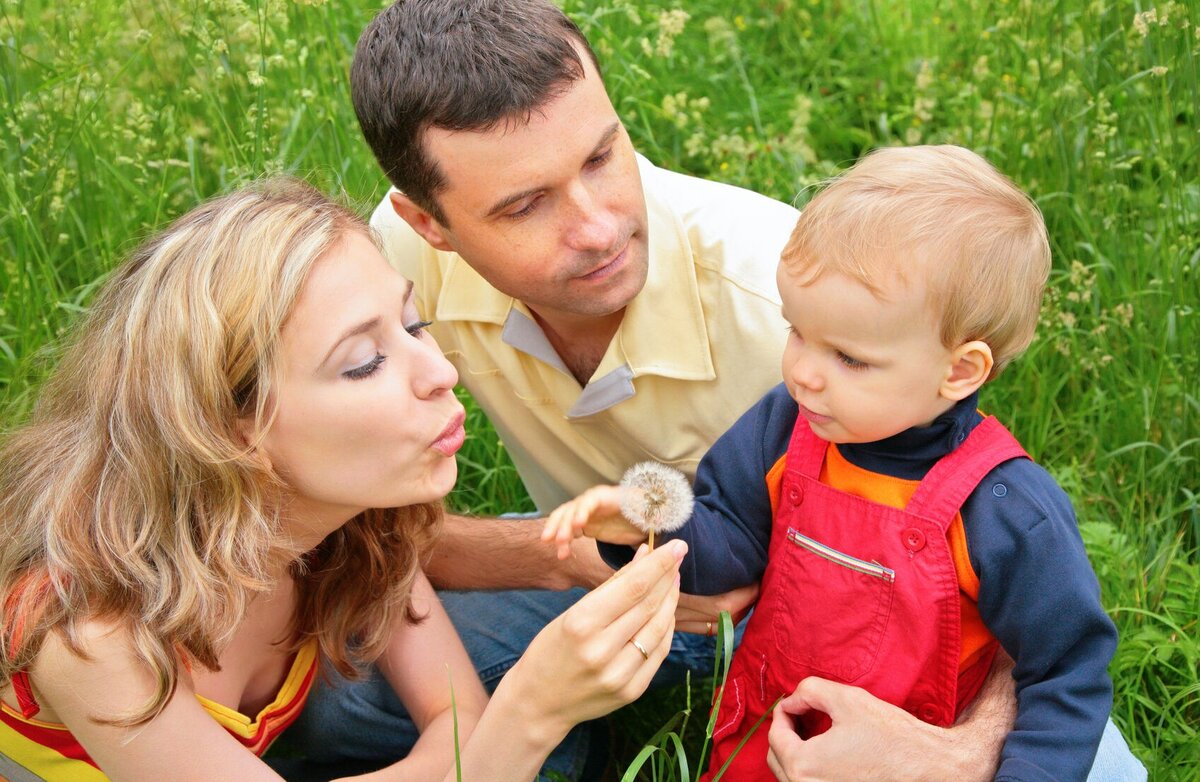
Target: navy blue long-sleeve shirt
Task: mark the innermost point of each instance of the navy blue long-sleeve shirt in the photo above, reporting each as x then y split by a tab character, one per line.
1038	594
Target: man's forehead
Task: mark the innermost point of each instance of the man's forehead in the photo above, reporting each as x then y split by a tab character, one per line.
533	152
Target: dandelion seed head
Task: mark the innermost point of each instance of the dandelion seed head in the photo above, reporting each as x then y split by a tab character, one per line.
656	497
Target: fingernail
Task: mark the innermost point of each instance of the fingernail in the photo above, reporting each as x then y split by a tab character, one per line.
678	548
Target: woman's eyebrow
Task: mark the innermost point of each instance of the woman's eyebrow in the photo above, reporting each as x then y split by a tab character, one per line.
361	328
365	326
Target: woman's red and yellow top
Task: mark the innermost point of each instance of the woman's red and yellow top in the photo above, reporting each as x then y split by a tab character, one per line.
32	750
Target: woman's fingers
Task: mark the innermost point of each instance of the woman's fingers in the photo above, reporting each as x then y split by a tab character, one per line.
632	595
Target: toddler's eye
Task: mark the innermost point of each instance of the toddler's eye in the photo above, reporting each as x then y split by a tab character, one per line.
850	361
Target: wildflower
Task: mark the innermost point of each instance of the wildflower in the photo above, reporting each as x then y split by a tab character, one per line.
670	25
656	498
1158	70
924	75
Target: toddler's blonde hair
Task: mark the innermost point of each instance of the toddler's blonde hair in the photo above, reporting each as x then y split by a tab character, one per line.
942	212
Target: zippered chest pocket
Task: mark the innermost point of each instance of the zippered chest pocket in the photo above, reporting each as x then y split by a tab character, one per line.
834	607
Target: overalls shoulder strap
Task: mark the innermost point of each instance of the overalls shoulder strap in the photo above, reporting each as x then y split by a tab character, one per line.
947	486
806	451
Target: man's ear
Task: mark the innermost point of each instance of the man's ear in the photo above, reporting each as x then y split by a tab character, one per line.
970	366
425	224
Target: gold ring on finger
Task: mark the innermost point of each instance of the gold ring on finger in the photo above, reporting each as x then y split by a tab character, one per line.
637	645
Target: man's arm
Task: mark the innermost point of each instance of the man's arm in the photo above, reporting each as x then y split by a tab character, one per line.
489	553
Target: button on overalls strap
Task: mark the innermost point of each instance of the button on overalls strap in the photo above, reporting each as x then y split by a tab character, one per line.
948	485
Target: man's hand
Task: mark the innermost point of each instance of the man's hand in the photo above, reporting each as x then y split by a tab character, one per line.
700	614
872	739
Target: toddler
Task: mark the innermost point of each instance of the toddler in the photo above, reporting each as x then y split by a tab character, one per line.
900	535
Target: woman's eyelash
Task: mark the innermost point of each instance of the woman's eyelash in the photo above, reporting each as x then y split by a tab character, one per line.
418	328
366	370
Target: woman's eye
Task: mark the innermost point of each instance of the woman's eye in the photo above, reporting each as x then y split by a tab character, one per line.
418	328
366	370
850	361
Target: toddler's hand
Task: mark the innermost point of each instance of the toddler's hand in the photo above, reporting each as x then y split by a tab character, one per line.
595	513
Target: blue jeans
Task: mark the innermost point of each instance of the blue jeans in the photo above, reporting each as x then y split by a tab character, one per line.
361	725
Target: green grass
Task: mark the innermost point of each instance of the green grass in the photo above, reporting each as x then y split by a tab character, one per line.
119	116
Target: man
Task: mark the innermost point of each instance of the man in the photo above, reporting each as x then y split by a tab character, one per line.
600	310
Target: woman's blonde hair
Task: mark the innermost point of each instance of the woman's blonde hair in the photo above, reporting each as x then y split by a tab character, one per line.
131	496
939	211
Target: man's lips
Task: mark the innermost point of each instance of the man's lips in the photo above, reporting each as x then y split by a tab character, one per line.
609	267
452	437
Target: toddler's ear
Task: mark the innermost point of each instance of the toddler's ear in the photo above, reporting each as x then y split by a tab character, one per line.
970	366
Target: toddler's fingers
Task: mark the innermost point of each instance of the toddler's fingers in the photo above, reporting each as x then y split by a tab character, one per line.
553	521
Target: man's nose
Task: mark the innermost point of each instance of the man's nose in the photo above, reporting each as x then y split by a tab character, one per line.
594	227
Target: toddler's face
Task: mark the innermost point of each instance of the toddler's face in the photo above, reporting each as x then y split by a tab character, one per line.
862	368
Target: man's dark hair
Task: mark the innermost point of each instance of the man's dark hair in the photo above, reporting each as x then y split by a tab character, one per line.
457	65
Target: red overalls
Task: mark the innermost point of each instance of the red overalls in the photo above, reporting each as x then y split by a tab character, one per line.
857	592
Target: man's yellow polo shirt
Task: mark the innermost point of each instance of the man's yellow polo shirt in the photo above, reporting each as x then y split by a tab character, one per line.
696	348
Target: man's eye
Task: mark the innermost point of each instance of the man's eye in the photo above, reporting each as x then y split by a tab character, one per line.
601	159
524	211
418	328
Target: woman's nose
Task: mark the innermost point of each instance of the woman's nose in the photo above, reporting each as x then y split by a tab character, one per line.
434	372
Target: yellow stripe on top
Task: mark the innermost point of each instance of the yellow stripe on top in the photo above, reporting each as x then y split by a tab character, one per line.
257	733
32	750
838	473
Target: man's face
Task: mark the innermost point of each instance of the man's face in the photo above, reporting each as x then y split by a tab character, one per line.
549	211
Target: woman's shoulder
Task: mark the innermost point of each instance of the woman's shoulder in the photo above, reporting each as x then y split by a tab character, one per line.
93	669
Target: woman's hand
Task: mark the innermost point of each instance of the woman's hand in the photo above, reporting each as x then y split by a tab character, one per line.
603	651
595	513
596	657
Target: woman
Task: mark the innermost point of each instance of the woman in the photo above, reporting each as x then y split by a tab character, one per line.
232	475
